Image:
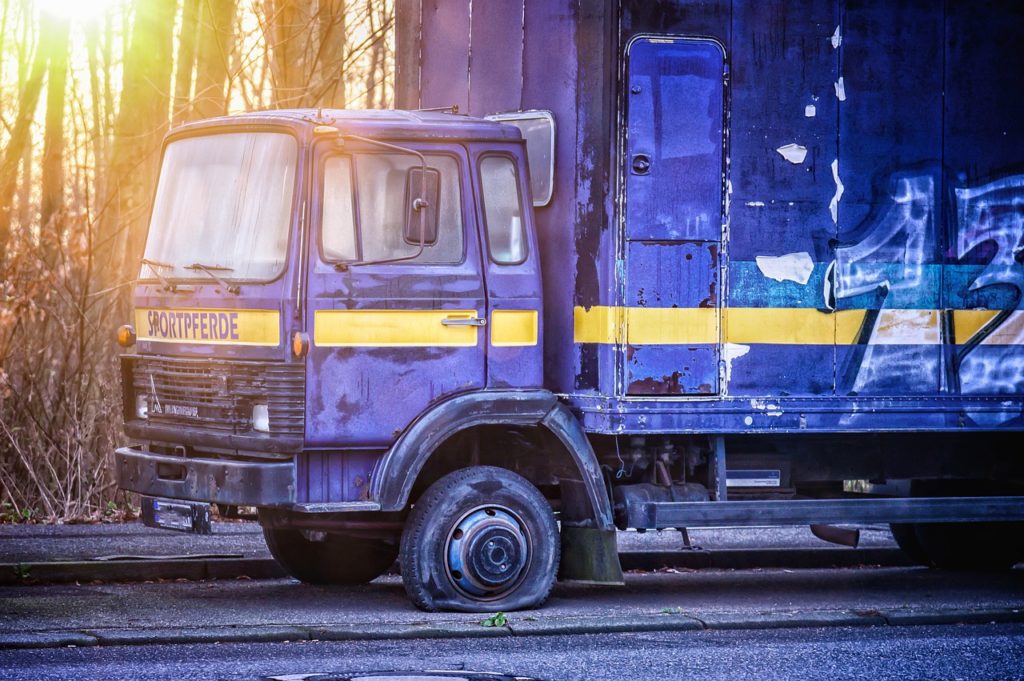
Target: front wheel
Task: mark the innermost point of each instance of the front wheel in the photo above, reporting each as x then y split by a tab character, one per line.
480	539
338	559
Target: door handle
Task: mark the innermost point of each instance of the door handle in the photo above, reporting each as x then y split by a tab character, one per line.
464	321
641	164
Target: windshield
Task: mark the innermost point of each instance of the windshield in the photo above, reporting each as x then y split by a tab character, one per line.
223	202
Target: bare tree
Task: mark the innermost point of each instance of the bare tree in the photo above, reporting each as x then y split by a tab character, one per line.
216	42
55	44
141	122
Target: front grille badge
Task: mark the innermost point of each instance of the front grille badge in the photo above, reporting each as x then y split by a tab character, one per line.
156	398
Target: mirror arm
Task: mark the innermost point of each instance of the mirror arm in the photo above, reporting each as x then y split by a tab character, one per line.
425	204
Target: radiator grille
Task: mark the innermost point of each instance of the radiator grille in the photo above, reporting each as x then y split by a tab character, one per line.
220	394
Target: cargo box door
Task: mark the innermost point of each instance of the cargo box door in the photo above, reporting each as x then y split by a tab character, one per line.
673	216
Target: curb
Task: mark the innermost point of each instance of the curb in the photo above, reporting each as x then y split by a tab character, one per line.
63	572
519	625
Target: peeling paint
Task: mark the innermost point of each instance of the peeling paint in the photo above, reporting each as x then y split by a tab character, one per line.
810	111
837	39
833	205
769	408
840	89
794	153
789	267
755	204
731	351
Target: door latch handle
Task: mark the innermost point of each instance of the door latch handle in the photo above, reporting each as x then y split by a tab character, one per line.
464	321
641	164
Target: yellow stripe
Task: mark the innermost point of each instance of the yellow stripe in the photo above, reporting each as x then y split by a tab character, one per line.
967	323
392	328
513	327
781	326
208	326
598	324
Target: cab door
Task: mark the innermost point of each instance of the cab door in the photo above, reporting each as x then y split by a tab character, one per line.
515	356
394	328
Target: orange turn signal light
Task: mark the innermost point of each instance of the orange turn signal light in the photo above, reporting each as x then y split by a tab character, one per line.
126	336
300	344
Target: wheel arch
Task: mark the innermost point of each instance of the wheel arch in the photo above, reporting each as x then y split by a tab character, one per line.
397	472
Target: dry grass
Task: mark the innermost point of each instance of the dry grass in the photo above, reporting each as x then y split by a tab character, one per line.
59	378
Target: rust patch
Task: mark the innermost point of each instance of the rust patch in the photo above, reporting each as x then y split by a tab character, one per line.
667	385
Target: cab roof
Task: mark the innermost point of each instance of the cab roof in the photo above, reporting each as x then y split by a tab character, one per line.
390	123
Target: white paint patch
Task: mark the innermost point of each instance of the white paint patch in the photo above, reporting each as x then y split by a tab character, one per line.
767	407
755	204
840	89
810	111
748	420
837	39
790	267
833	205
731	351
794	153
907	327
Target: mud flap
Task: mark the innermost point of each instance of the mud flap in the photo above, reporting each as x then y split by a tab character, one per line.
590	555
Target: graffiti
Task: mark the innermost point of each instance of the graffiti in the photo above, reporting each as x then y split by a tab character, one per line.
992	362
907	329
993	212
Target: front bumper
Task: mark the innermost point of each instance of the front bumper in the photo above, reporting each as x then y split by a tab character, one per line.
236	483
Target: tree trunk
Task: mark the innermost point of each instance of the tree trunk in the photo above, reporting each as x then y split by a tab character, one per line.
140	126
375	54
331	64
55	42
289	25
186	61
18	142
216	38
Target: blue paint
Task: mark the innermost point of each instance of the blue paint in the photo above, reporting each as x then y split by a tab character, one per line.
668	187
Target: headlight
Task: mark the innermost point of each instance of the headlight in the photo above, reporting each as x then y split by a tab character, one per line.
142	406
260	418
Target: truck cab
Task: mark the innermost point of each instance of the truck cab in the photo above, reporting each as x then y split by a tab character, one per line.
315	283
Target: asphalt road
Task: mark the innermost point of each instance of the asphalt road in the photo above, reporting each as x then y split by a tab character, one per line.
943	652
272	610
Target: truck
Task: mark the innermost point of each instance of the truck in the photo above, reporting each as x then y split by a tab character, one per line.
609	264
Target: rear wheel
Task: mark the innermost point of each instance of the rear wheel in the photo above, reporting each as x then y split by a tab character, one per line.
481	539
967	546
338	559
905	535
972	546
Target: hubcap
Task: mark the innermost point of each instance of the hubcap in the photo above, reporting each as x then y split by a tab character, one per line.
487	552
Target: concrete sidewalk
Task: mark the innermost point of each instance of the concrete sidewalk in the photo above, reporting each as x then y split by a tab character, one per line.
41	554
285	610
52	543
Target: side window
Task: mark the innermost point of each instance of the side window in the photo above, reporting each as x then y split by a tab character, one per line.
382	191
339	224
503	211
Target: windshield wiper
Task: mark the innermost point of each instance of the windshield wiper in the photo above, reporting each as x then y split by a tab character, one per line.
209	269
154	266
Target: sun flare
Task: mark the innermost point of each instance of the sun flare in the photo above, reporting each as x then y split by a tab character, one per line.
75	9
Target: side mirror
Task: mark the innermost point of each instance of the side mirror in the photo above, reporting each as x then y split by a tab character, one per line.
422	198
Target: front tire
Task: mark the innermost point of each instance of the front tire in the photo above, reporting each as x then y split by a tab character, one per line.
338	559
480	539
